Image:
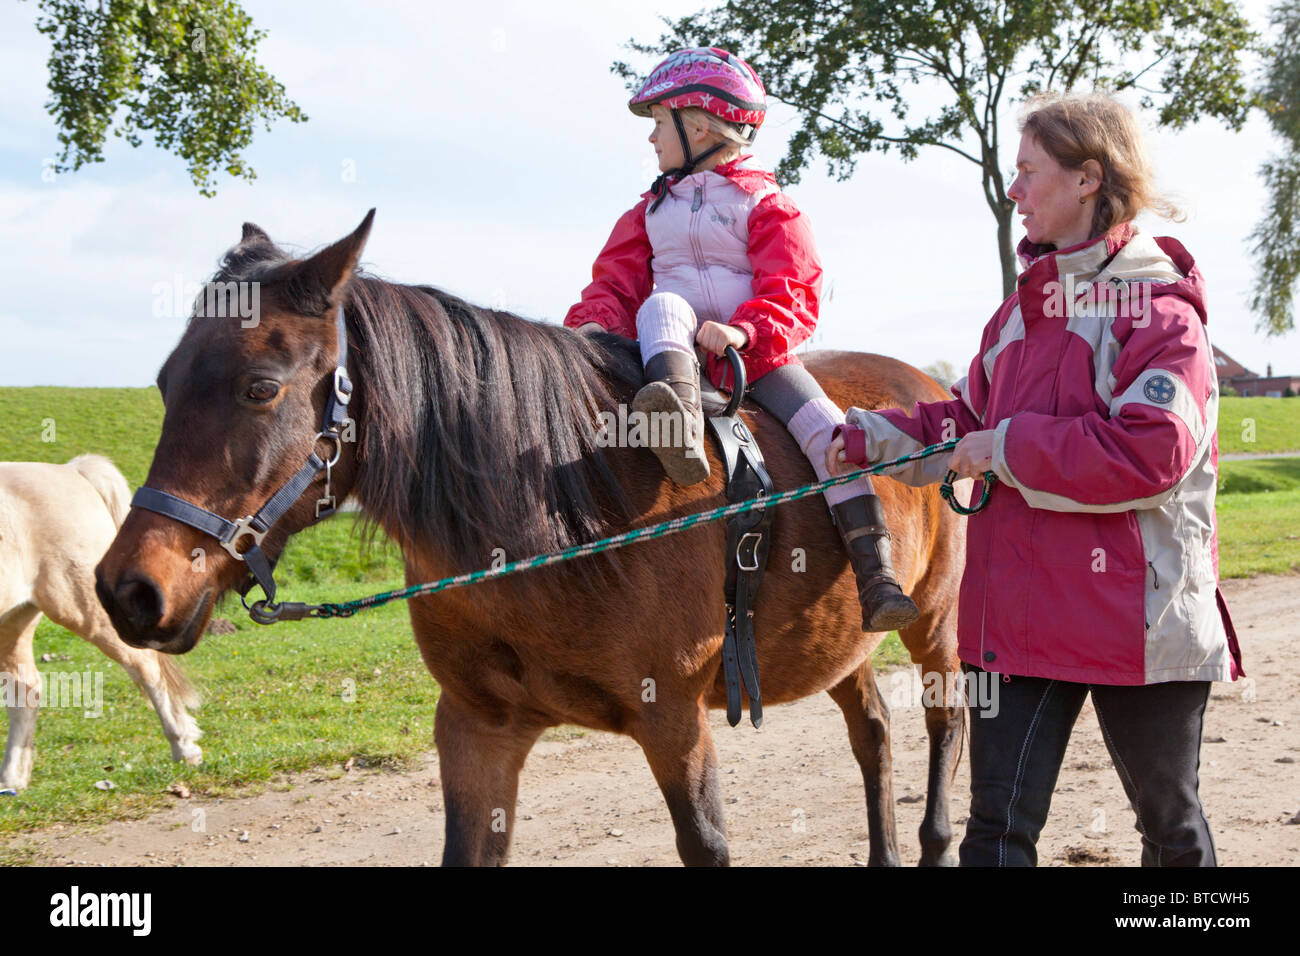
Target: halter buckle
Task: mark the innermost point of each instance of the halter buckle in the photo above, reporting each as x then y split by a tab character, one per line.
342	385
242	527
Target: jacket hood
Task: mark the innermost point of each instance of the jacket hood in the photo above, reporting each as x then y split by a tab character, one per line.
1131	255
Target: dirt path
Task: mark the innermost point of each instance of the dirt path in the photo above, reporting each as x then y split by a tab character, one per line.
792	791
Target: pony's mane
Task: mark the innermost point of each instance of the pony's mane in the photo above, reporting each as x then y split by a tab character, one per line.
479	429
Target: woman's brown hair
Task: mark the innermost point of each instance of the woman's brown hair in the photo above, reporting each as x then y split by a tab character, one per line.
1076	127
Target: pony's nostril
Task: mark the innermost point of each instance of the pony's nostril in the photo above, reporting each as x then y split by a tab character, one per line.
140	600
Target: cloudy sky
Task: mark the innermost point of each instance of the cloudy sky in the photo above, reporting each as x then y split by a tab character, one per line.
496	145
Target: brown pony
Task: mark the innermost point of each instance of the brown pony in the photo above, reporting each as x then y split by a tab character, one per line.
476	431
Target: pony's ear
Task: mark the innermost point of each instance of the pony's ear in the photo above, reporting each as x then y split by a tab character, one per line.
315	285
254	233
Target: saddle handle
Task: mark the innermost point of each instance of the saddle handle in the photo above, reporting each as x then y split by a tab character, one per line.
739	382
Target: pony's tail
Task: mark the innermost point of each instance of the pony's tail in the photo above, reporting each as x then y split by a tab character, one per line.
108	481
178	685
961	744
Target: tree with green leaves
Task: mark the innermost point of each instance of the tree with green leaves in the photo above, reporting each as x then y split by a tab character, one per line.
849	68
1277	237
182	70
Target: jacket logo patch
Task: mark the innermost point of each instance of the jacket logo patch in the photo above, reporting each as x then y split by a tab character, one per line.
1160	389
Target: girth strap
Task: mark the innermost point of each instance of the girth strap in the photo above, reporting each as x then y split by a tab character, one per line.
748	541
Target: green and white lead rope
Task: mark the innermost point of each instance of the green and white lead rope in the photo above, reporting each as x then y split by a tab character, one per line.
263	613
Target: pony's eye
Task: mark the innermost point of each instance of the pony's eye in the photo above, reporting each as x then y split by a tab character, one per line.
262	391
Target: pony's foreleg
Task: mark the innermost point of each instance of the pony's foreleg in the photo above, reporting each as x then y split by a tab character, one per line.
480	762
20	684
679	748
932	643
867	717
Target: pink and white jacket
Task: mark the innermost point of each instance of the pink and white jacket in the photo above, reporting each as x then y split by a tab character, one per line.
733	246
1097	558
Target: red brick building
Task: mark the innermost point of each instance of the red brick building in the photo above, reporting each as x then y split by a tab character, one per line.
1234	375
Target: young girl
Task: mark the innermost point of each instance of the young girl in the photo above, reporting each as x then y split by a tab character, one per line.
716	255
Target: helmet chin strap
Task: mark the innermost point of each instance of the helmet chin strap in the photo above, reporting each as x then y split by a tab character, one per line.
660	187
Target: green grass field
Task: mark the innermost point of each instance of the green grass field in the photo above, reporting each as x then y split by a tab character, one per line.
53	424
315	693
1259	425
1259	516
276	699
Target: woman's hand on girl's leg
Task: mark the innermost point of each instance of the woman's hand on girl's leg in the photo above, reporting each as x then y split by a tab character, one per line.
836	462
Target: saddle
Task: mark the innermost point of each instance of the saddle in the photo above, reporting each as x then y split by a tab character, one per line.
748	538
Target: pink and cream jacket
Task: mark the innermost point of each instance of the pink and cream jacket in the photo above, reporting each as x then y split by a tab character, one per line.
730	243
1096	559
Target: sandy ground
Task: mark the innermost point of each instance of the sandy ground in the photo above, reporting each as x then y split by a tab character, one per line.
792	791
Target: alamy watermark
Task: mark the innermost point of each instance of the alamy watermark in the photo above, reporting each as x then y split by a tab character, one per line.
56	689
625	428
1072	297
129	910
175	297
911	688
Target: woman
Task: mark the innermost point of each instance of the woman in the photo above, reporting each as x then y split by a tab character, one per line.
1094	401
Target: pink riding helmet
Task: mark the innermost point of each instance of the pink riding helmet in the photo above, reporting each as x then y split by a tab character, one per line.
712	79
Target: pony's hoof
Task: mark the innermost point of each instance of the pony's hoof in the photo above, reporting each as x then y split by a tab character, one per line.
190	754
8	792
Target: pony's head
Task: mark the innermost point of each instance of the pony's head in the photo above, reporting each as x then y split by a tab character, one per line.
244	391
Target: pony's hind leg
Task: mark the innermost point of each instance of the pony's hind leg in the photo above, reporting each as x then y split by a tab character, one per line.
160	678
867	717
932	643
20	684
679	748
479	759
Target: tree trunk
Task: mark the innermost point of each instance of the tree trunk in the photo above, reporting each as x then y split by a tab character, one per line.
1006	253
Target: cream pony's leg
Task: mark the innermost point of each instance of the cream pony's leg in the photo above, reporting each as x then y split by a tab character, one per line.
166	687
69	600
20	685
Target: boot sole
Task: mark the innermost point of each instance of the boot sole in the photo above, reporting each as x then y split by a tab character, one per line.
896	614
658	398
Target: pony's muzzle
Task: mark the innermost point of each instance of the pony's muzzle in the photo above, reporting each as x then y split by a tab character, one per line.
137	605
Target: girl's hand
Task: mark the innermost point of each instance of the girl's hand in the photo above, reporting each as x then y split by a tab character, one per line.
973	455
591	327
715	337
836	462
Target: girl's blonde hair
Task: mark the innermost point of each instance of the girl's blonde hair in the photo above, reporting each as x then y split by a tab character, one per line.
720	128
1076	127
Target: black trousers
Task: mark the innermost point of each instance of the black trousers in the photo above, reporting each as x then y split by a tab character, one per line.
1153	733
